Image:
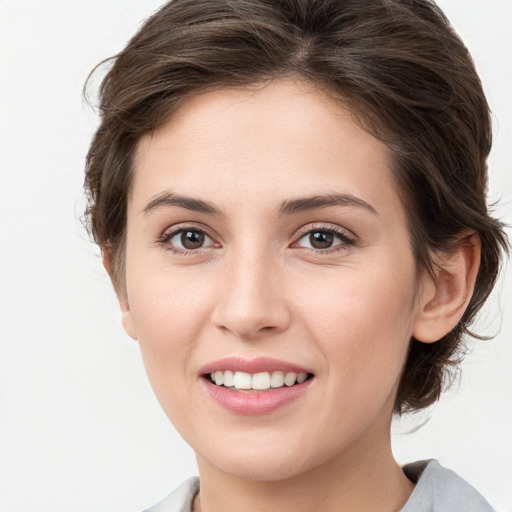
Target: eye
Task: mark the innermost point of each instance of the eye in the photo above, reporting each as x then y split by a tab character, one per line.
323	239
187	239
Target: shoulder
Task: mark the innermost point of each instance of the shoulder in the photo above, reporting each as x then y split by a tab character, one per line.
180	500
441	490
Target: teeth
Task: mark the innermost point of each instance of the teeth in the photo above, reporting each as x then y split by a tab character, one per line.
242	380
229	378
277	380
258	381
301	378
261	380
290	379
219	378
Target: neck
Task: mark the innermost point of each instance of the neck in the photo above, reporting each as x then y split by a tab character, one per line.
364	480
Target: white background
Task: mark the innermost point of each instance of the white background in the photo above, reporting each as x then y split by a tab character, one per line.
80	429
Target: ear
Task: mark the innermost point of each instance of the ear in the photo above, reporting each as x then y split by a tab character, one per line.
446	295
126	314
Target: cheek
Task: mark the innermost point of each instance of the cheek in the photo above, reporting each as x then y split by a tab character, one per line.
168	314
362	322
167	306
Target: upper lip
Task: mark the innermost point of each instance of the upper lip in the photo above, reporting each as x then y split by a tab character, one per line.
257	365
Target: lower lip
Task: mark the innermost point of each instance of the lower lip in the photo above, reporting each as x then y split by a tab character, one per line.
255	402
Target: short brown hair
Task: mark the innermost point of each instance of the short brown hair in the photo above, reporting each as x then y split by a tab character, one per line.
399	67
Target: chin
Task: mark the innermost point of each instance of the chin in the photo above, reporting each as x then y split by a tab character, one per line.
268	463
260	470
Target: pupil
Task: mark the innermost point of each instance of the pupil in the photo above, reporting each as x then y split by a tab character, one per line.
192	239
321	240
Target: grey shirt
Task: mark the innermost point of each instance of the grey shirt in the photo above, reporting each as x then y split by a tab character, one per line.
437	490
441	490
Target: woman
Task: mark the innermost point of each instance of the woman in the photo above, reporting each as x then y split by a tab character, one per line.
290	201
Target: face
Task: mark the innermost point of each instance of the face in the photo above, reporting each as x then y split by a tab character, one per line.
267	249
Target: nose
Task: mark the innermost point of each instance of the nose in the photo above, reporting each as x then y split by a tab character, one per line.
252	300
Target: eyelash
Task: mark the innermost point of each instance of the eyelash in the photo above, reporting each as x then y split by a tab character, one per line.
345	240
166	238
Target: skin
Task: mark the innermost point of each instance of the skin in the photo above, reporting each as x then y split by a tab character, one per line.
258	288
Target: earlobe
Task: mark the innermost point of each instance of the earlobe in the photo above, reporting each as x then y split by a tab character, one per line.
126	314
127	319
447	294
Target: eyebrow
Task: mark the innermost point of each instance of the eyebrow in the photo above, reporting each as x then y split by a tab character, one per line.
189	203
288	207
302	204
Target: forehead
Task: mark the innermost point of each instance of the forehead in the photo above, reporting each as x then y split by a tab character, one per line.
282	137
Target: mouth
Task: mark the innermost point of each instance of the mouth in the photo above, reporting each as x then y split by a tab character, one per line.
257	386
256	382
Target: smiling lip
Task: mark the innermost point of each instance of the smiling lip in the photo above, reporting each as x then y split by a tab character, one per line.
260	364
253	403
